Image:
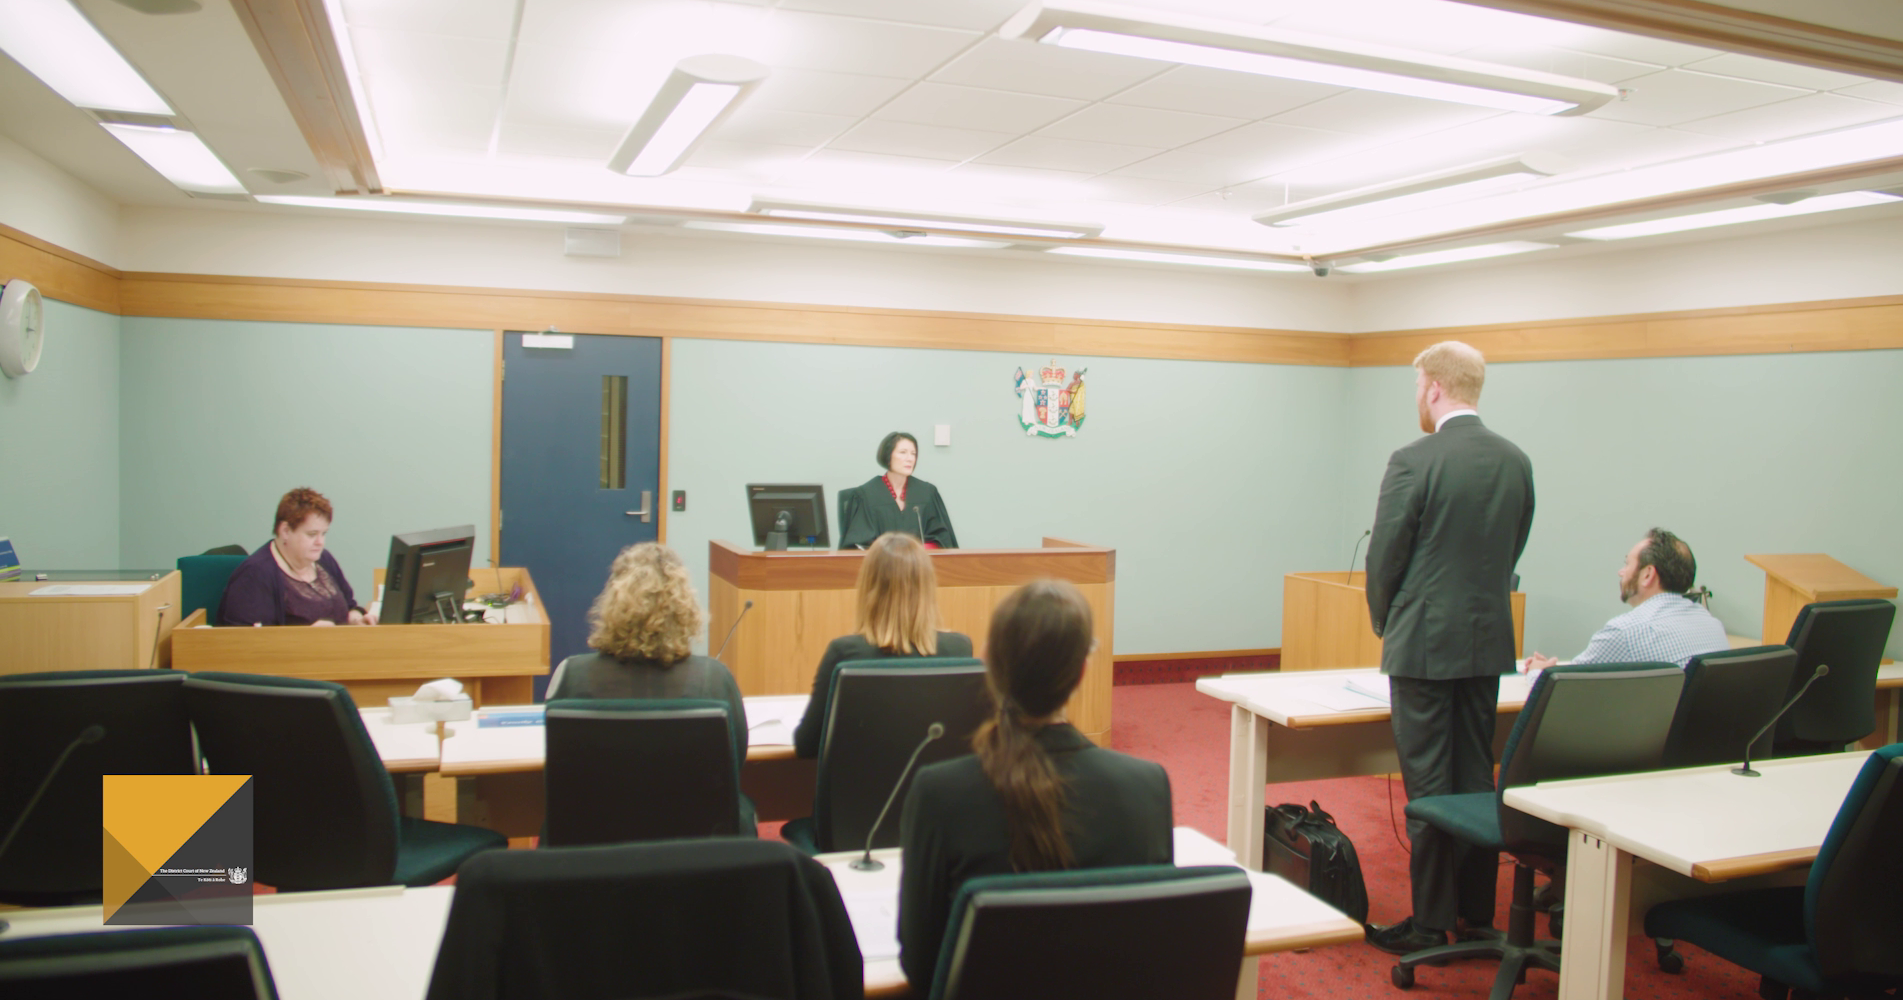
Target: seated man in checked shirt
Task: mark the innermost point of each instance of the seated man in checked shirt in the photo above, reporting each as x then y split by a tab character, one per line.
1663	626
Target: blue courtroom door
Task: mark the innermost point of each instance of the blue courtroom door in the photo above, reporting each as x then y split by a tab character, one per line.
581	468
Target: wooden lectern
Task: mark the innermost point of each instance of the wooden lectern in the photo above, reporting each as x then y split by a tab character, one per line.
804	600
1792	581
1325	624
87	631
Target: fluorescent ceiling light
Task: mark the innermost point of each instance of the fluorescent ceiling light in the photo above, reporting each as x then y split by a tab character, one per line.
886	216
179	156
1447	256
1201	260
853	235
700	92
1195	41
374	203
1439	187
56	43
1730	216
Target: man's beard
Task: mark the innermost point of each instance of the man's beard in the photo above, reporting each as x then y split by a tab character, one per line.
1427	417
1627	590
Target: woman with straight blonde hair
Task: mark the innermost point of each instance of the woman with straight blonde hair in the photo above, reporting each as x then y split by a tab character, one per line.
895	614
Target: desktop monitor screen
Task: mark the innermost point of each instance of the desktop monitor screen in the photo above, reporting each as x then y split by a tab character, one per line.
428	576
786	516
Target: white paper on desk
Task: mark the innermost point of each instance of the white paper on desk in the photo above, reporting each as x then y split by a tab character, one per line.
91	590
1373	685
875	922
772	719
1337	697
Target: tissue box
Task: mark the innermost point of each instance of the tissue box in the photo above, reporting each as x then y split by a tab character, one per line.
403	710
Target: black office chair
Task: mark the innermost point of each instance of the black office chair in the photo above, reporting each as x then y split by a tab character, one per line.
1839	933
1579	721
1840	708
54	860
1728	697
697	917
325	812
879	712
628	770
202	963
1096	934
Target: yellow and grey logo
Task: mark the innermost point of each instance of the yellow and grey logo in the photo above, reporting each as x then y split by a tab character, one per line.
177	848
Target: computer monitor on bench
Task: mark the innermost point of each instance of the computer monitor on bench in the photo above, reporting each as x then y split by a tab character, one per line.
427	576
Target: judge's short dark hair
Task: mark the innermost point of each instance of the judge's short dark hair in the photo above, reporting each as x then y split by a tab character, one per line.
1669	554
892	441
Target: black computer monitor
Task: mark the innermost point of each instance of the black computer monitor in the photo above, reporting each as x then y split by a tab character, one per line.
786	516
428	576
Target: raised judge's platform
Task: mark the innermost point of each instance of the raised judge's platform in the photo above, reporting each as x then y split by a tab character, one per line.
804	600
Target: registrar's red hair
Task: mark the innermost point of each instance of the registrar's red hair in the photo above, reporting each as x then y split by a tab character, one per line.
299	504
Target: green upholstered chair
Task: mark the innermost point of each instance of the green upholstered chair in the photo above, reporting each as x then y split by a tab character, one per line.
201	583
204	963
325	811
1131	933
622	770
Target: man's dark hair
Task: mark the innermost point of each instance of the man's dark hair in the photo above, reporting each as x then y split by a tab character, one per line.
1669	554
892	441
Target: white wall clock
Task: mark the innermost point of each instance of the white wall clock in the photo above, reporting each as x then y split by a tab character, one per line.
22	329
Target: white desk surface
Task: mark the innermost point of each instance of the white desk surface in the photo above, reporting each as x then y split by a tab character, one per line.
1705	821
1278	697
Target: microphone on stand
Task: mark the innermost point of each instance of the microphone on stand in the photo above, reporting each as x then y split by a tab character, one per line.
865	863
736	627
90	734
156	629
1357	552
1745	768
921	522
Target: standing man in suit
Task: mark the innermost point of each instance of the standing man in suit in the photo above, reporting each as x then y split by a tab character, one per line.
1453	518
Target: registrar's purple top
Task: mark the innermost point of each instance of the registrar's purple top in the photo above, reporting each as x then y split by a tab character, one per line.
259	593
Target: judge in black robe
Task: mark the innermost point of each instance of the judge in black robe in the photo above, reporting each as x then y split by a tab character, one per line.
870	509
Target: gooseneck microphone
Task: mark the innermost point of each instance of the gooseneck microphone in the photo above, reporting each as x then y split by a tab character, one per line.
1745	768
1357	552
865	862
736	627
90	734
158	628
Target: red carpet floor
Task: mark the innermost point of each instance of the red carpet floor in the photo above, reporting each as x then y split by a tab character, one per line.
1188	733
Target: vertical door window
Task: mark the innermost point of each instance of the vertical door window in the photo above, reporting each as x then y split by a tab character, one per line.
614	432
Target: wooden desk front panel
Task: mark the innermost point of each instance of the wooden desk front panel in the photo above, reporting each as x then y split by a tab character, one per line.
80	632
1325	622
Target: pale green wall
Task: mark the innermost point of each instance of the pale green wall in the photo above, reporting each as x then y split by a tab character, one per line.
1210	480
1766	453
219	418
59	446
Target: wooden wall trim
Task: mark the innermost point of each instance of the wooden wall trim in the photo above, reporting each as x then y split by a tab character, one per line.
294	41
57	272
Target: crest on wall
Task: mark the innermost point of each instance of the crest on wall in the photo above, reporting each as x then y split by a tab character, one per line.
1051	406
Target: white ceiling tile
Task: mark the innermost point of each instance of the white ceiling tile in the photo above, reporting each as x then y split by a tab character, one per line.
1877	90
1190	168
1065	154
1638	48
820	92
910	139
420	60
1413	24
975	15
1046	69
1145	190
971	107
435	135
1801	116
1220	92
1265	148
753	158
655	32
556	140
797	40
1771	71
1564	62
1525	133
1026	183
1367	112
396	108
579	87
1131	126
784	128
1675	95
462	18
1656	146
829	158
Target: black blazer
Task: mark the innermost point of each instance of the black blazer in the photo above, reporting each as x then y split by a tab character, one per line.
1455	510
1117	812
845	649
867	511
598	675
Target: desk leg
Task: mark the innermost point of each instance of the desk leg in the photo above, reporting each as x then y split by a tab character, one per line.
1598	893
1250	979
439	798
1248	773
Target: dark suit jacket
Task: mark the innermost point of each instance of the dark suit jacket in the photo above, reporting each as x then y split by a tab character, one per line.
598	675
867	511
1117	812
1456	507
846	648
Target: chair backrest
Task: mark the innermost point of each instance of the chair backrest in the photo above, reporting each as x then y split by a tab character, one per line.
880	711
1728	697
750	917
1849	637
201	583
324	811
212	963
626	770
1103	934
1853	901
55	858
1581	722
848	500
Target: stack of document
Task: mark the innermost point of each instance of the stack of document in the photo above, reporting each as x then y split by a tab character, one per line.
771	719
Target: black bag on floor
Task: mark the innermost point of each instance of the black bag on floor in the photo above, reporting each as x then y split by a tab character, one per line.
1303	844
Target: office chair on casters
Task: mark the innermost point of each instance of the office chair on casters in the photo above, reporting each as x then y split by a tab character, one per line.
204	963
1837	934
629	769
877	713
1579	721
1096	934
1839	709
1728	697
324	809
201	582
54	861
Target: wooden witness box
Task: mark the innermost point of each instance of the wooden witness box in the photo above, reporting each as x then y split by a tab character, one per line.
1792	581
87	631
804	600
1325	623
497	663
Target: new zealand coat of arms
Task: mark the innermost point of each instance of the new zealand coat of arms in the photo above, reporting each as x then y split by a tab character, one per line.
1052	407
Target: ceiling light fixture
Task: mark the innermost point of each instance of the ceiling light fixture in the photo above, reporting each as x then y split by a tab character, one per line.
907	237
700	92
1147	34
381	204
1440	187
1200	260
179	156
1447	256
906	220
56	43
1732	216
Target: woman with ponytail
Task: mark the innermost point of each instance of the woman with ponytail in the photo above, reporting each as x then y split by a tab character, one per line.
1036	795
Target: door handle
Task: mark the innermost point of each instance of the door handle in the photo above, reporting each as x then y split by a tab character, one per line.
646	513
